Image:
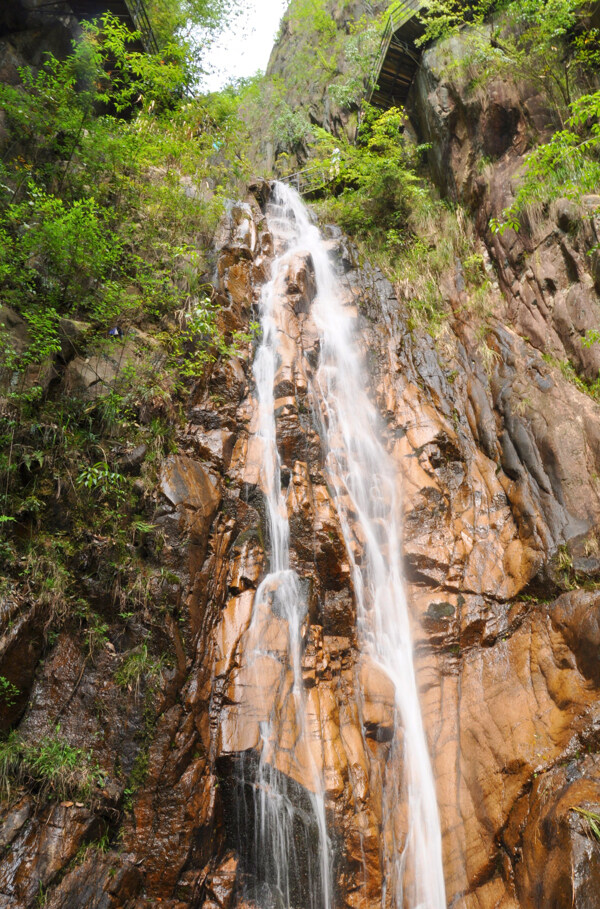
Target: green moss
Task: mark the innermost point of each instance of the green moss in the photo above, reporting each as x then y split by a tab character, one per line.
138	775
138	667
592	389
441	610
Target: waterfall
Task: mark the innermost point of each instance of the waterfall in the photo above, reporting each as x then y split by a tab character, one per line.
365	485
288	822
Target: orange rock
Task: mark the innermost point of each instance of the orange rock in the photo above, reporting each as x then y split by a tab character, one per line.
379	699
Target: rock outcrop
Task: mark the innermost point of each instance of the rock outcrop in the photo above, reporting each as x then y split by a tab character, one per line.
499	454
29	30
499	462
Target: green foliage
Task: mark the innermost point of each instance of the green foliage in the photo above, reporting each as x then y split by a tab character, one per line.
138	667
536	22
291	129
592	389
82	216
550	46
56	252
509	221
567	165
591	337
442	18
96	635
138	775
112	184
44	568
52	766
102	480
102	220
375	185
360	52
10	758
193	20
331	61
8	692
592	819
474	269
543	44
377	194
267	107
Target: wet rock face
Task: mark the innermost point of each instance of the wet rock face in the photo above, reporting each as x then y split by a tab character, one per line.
498	476
499	463
518	485
499	458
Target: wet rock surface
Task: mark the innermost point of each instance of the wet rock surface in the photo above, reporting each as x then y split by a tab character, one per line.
499	456
519	484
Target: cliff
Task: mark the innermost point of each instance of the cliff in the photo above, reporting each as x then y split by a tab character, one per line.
493	425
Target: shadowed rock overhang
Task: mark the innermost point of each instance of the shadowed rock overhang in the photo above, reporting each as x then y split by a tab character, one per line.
398	57
27	14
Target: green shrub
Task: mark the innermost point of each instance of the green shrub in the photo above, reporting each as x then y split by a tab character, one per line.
138	666
55	251
375	186
52	766
590	388
548	44
569	164
99	478
91	206
8	692
379	195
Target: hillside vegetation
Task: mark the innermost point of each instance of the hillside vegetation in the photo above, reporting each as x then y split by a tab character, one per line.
112	184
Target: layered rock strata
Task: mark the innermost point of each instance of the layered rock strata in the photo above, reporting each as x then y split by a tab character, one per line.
499	457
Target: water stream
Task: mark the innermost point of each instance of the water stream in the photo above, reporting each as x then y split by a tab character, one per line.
365	485
291	850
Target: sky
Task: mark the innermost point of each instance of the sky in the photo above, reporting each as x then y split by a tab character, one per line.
246	46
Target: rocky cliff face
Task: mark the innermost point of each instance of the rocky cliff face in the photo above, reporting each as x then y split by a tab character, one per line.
523	742
499	452
31	29
310	76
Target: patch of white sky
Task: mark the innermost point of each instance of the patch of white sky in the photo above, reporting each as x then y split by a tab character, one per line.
245	46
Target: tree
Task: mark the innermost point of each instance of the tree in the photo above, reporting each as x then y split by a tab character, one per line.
184	19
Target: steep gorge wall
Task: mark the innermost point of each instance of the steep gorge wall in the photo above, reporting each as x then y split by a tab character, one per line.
506	660
309	61
500	456
31	29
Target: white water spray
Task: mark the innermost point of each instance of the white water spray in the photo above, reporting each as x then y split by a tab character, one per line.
366	497
290	835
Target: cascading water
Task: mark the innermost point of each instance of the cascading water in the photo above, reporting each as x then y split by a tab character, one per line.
366	498
290	854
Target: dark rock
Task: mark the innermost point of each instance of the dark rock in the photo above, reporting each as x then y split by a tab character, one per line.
261	190
568	214
21	643
72	336
101	882
131	461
